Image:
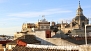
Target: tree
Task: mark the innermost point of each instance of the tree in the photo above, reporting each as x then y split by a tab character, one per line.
54	28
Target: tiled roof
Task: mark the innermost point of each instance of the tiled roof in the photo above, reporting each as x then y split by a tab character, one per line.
29	39
80	17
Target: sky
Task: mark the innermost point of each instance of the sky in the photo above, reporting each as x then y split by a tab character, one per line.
13	13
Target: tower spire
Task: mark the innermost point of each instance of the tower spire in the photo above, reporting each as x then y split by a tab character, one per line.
79	5
79	10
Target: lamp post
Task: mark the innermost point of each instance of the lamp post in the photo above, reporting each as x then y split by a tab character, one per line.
85	35
86	32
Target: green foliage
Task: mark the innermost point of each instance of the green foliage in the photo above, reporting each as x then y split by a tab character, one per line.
54	28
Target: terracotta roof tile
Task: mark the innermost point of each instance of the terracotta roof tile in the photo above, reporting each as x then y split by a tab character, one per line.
29	39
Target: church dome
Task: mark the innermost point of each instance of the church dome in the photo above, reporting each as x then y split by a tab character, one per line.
79	15
80	18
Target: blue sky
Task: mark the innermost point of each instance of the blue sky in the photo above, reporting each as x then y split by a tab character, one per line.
13	13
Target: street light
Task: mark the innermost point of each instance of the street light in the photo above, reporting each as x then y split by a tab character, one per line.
86	33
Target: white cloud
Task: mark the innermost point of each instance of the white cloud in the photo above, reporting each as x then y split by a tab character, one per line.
36	14
10	30
13	18
7	20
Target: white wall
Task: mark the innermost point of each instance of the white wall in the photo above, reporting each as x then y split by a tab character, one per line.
40	35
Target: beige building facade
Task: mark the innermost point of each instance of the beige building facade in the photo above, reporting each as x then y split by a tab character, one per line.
42	24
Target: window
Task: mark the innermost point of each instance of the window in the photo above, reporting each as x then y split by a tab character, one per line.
47	27
42	27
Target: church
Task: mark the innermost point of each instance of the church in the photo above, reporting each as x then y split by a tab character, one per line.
77	24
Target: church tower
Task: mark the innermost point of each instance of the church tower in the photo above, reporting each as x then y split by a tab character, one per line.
80	19
79	10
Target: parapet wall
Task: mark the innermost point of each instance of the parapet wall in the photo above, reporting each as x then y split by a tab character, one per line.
53	47
78	47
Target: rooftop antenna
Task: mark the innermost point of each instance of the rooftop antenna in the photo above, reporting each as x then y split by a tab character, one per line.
43	16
